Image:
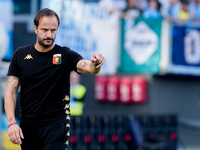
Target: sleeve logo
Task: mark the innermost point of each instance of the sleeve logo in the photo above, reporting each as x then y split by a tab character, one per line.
57	59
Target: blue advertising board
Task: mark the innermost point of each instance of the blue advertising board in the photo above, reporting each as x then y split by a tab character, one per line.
185	49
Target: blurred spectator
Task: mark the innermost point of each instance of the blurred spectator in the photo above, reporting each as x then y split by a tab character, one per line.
77	94
112	6
142	4
184	14
171	9
4	40
121	4
131	11
152	10
194	10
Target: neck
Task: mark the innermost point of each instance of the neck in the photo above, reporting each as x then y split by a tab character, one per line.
41	48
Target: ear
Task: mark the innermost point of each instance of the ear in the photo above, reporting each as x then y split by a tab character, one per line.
35	28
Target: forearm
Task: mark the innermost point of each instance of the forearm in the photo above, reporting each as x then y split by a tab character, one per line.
14	131
91	67
10	105
10	98
88	67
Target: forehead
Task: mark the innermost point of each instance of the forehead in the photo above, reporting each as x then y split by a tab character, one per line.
48	21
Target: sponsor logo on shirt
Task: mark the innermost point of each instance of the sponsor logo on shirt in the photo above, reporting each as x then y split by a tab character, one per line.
57	59
28	56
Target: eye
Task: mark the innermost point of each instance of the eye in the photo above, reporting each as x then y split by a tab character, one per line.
45	30
53	30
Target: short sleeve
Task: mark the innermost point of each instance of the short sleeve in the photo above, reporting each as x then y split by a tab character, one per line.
75	59
72	58
13	68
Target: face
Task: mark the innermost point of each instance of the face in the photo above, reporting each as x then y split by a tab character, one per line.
197	1
46	31
184	7
153	4
74	78
172	2
131	3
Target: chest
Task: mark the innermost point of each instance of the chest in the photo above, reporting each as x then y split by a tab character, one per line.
33	66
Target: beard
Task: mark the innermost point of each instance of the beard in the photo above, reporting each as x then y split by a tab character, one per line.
46	45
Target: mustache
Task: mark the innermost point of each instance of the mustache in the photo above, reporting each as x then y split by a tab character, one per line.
48	39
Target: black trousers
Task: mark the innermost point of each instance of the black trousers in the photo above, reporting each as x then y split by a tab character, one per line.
51	137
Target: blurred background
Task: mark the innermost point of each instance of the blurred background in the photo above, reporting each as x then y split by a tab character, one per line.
147	94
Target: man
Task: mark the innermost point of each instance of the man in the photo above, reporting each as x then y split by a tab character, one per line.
131	11
43	71
153	10
77	95
194	10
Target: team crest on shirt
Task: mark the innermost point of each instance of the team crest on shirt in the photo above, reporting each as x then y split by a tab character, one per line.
57	59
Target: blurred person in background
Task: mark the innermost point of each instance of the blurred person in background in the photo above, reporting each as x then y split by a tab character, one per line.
131	11
184	13
42	71
112	6
142	4
170	9
153	10
194	10
77	95
4	41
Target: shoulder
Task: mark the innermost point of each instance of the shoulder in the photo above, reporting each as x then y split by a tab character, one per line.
125	9
62	48
24	48
65	50
146	12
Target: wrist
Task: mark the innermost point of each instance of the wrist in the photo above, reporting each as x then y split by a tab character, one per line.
12	124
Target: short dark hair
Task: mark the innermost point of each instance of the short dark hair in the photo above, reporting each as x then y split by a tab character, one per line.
45	12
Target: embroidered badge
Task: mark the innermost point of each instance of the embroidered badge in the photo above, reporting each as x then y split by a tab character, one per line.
67	142
57	59
28	56
66	98
67	112
68	117
68	134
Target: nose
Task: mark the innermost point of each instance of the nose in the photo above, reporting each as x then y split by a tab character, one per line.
49	34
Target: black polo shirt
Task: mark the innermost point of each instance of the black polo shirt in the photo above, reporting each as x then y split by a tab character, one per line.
44	83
